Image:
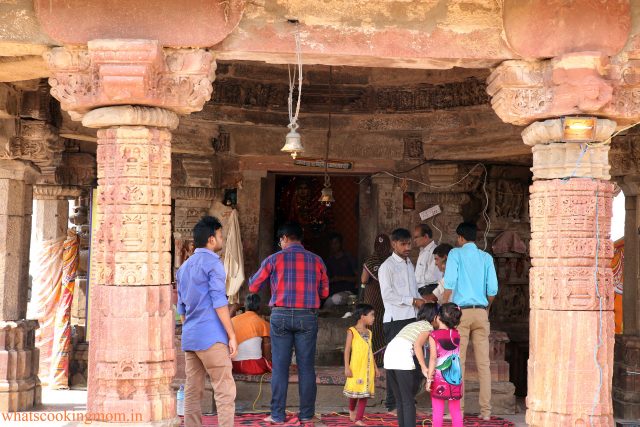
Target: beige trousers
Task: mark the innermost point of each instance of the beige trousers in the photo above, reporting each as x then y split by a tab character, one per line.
216	362
474	326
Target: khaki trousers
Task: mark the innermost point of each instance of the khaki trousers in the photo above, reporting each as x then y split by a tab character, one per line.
474	326
216	362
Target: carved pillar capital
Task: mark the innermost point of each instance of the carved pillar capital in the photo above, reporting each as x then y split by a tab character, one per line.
553	159
130	72
575	83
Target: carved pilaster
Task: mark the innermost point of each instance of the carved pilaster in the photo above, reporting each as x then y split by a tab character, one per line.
130	72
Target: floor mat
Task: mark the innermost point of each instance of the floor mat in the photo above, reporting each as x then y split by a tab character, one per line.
342	420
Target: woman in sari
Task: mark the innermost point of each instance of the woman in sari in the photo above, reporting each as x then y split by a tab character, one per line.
370	288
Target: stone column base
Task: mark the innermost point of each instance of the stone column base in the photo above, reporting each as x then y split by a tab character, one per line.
626	377
20	388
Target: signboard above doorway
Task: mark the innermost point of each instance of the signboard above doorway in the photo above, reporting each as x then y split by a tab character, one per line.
319	163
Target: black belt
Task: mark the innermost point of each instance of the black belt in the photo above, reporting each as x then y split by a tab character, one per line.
466	307
277	307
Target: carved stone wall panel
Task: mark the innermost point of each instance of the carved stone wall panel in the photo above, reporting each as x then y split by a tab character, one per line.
571	288
130	72
563	375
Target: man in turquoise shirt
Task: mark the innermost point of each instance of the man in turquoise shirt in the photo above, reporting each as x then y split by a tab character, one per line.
471	276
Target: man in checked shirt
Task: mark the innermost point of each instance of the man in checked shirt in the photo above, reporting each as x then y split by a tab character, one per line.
298	280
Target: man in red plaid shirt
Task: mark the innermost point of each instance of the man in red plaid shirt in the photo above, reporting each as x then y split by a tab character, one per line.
298	280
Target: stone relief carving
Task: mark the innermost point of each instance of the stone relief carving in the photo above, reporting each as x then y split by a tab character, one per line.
413	148
250	94
510	199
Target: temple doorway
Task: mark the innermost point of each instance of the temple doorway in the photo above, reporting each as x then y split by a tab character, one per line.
297	199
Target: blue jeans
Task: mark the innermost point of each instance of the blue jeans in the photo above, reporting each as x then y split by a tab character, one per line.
293	328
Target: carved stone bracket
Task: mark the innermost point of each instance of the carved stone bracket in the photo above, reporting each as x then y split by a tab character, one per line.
575	83
130	72
35	141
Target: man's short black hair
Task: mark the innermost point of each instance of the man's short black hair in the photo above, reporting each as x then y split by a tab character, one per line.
468	231
292	230
252	302
400	235
442	250
425	230
205	228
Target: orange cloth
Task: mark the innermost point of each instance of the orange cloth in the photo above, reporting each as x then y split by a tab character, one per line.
249	325
617	265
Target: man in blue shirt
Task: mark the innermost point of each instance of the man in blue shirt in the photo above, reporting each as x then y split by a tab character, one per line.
471	277
208	339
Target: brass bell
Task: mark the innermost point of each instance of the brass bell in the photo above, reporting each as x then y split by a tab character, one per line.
327	195
293	144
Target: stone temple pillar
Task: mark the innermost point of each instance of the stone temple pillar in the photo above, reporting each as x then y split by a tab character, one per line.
571	289
50	224
131	351
19	384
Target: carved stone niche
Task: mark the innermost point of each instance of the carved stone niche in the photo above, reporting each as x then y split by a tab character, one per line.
130	72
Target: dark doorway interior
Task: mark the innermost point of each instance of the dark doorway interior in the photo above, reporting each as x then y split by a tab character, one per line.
297	200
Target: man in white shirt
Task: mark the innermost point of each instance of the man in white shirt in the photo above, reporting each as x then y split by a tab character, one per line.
427	274
399	292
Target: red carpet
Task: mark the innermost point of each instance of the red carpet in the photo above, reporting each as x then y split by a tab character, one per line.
342	420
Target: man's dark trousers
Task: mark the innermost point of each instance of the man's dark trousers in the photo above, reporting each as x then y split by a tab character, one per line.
390	330
293	328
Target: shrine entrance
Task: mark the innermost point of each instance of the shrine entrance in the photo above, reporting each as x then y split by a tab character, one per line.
297	199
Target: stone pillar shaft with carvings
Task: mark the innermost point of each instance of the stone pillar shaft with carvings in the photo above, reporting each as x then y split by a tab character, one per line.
571	290
132	353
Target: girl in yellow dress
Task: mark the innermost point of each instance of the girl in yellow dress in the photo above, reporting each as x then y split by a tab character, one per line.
359	366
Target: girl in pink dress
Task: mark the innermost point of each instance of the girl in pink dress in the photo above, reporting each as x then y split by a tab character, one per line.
444	376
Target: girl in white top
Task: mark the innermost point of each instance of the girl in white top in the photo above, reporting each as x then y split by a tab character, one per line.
399	362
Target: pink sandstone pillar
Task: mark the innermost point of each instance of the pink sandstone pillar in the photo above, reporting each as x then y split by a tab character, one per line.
131	352
132	325
19	384
571	290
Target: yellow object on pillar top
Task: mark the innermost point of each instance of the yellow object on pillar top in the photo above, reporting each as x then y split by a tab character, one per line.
578	129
